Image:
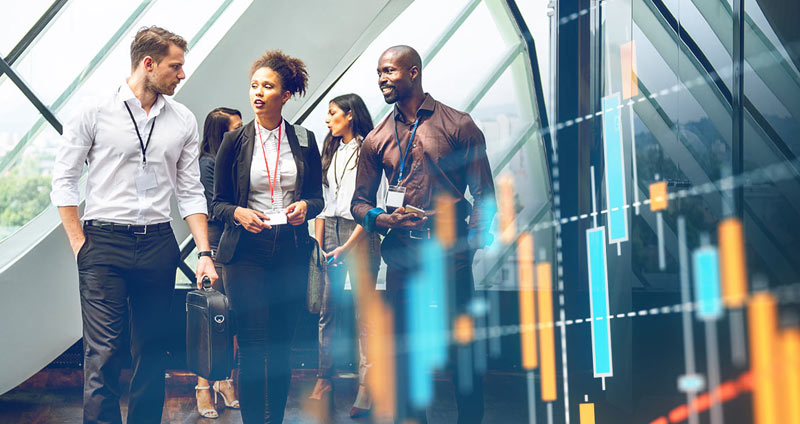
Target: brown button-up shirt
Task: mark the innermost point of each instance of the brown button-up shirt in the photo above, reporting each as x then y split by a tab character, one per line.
447	155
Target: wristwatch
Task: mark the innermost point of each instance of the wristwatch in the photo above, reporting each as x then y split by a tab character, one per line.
209	253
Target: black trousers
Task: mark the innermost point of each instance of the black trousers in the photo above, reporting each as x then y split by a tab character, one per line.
125	280
402	257
266	289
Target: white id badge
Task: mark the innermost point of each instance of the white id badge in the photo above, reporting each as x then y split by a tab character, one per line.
276	218
395	196
145	179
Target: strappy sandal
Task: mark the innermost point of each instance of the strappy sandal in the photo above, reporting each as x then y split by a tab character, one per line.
229	403
205	412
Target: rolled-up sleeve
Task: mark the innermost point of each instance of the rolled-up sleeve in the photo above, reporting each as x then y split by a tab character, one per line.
71	156
188	187
368	179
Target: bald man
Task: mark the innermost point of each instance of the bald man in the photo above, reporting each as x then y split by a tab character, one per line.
428	151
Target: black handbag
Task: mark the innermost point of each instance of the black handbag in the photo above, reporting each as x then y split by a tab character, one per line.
209	333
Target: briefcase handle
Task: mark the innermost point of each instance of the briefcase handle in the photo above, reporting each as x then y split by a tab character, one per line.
207	283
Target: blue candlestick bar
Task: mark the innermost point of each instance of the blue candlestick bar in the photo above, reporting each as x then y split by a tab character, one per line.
427	326
598	300
615	170
707	283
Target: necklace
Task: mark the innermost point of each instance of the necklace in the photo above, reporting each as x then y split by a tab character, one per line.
336	177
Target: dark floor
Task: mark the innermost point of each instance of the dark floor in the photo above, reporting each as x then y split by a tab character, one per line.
54	396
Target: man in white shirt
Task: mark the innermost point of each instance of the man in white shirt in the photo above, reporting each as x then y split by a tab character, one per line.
126	251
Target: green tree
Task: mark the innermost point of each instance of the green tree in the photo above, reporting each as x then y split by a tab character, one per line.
22	197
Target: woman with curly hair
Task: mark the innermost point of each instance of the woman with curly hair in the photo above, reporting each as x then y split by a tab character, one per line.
268	184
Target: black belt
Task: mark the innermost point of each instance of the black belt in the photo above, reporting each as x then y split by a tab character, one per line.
129	228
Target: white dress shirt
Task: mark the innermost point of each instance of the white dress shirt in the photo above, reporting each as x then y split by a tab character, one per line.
259	197
104	135
342	183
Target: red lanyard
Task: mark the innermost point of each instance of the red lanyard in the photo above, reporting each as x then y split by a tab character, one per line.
277	161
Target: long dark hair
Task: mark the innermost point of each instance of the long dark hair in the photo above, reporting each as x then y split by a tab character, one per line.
218	121
362	125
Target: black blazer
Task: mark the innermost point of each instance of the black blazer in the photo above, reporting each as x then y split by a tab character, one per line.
232	182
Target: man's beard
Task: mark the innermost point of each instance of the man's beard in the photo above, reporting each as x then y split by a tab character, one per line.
165	89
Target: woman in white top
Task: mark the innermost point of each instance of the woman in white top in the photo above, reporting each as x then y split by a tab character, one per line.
337	233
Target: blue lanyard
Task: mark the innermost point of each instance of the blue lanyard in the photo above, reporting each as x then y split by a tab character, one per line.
408	147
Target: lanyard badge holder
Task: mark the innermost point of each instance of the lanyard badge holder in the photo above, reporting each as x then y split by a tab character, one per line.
145	176
395	196
275	215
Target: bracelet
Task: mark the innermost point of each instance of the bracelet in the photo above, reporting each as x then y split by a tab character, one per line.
202	253
369	219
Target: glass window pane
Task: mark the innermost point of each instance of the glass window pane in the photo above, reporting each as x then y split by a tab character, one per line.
361	78
535	15
17	20
25	187
70	29
17	115
452	75
69	43
514	148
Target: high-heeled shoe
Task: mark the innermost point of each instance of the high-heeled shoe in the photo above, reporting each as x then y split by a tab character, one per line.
219	390
362	407
205	412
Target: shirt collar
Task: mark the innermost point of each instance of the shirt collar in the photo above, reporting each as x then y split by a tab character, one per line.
348	146
268	134
426	108
126	95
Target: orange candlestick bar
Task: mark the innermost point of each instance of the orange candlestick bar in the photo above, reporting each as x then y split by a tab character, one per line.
464	329
732	263
547	348
789	372
762	317
507	218
658	196
445	220
630	81
586	411
527	308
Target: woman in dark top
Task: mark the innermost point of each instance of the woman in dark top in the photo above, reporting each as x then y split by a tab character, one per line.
267	186
218	122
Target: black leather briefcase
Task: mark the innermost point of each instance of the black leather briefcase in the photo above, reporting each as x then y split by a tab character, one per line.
209	333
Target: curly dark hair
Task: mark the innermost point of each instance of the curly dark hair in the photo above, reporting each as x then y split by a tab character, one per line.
294	77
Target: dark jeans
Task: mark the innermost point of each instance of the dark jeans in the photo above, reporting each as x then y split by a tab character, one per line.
125	279
402	256
265	289
334	310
